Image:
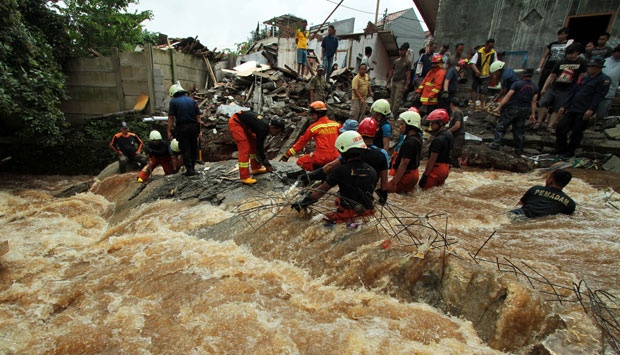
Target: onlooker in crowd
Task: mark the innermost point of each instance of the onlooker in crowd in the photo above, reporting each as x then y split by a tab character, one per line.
457	128
360	87
249	131
356	182
302	49
451	83
318	86
427	94
602	49
515	108
128	146
507	76
407	162
415	74
159	153
184	115
546	200
612	70
443	50
563	77
438	165
458	54
553	53
587	54
324	133
399	77
480	64
329	48
380	111
581	103
424	63
366	57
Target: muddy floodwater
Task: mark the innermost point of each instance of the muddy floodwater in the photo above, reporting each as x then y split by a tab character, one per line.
186	277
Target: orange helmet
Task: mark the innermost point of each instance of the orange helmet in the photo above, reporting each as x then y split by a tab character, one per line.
462	62
414	109
437	58
439	115
368	127
318	106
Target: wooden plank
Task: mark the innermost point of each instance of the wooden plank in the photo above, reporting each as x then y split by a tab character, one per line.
210	70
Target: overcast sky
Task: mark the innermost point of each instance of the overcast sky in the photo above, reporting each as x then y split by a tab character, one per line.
222	23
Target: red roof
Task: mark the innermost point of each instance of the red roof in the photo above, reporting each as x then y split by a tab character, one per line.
394	15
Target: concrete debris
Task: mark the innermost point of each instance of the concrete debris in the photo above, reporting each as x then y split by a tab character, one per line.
613	133
612	164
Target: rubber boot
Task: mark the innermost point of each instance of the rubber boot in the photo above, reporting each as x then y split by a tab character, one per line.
259	171
248	181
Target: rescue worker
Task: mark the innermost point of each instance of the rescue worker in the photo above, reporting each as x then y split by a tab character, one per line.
324	133
373	155
451	83
546	200
401	140
514	109
177	157
507	76
249	131
318	86
184	114
581	103
405	168
380	111
159	153
427	94
356	182
438	164
457	128
128	146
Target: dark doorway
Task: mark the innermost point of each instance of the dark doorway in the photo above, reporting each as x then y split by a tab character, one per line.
589	27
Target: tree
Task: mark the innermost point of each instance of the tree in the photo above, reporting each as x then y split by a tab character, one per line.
102	24
32	81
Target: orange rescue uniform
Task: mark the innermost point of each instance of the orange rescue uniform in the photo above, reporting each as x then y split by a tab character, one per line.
324	132
431	86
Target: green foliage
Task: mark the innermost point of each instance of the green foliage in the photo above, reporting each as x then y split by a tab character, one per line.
102	24
32	81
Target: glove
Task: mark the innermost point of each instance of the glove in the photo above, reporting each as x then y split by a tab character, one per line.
422	182
317	174
445	95
383	194
303	204
284	158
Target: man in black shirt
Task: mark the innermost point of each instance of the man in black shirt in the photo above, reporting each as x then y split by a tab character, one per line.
128	146
546	200
438	165
356	181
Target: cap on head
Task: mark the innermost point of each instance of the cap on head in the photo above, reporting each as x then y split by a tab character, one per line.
596	61
411	118
439	115
349	125
368	127
320	68
349	140
124	125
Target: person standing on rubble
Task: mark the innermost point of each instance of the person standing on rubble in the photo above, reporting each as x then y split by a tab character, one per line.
579	106
451	84
480	64
318	86
302	49
360	87
516	107
329	47
324	132
546	200
249	131
457	128
438	165
128	146
427	94
184	114
506	76
399	76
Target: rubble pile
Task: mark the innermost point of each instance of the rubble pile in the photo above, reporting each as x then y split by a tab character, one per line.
190	45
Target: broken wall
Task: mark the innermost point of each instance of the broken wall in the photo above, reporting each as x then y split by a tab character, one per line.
517	26
103	85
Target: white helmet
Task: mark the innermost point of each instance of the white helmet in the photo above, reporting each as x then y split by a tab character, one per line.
175	88
381	106
411	118
174	146
155	135
496	65
348	140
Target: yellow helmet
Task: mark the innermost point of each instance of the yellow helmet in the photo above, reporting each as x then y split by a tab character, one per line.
175	89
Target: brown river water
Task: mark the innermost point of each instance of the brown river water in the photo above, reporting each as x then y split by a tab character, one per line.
173	277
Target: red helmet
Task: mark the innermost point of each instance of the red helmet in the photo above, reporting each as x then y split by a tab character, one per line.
368	127
463	62
437	58
414	109
439	115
